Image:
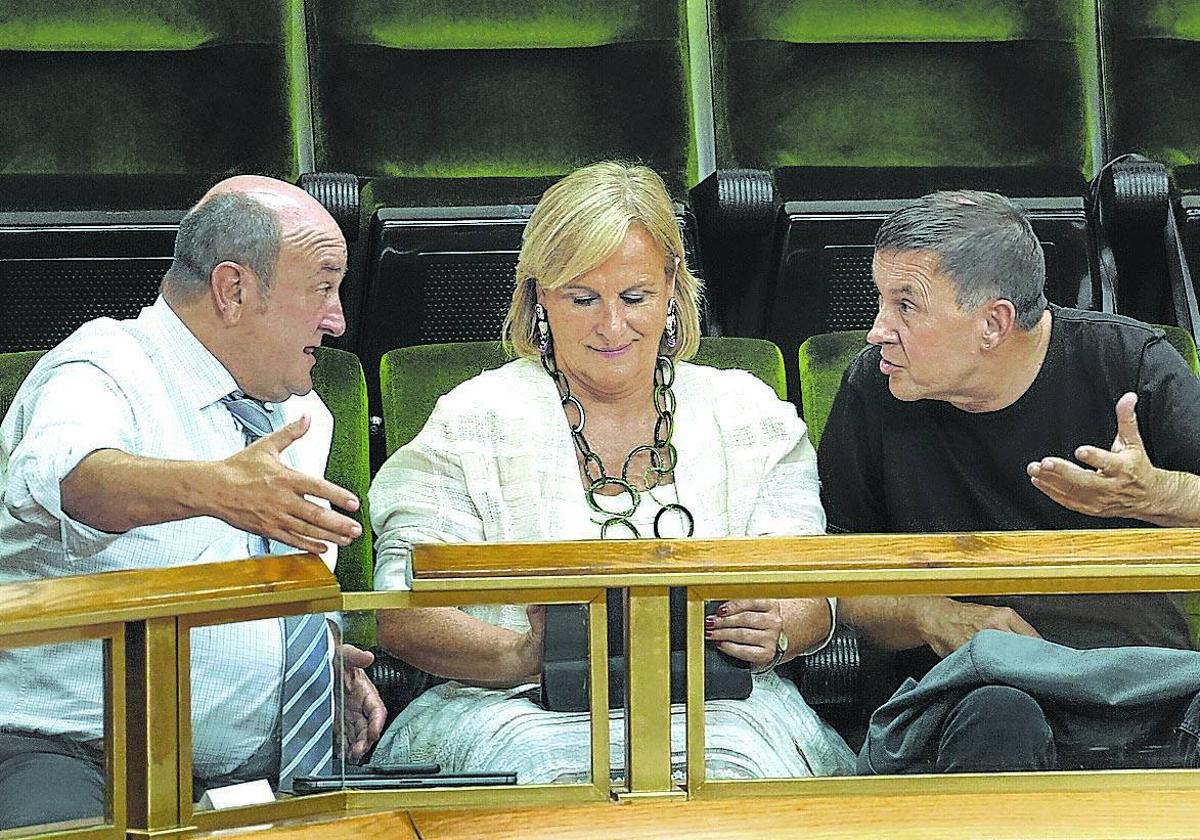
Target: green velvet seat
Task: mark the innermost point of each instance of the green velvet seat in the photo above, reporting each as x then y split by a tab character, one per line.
14	367
146	88
909	85
478	88
823	360
413	378
1152	61
338	378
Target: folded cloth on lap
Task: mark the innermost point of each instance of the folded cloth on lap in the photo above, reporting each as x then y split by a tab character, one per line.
1089	694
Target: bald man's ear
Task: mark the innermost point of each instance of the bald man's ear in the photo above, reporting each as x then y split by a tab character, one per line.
1000	316
228	284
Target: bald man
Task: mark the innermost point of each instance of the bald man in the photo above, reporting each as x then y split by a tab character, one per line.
124	453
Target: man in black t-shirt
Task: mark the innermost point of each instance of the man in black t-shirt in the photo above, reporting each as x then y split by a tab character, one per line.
981	407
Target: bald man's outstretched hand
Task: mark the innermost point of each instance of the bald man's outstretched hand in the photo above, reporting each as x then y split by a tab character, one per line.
252	490
260	494
1120	481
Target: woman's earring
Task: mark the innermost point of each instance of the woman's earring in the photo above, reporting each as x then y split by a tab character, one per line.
541	328
671	325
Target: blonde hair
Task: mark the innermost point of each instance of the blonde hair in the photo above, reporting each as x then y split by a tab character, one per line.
579	223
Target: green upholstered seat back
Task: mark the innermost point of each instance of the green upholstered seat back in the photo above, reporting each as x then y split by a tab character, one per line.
338	378
906	83
1182	341
479	88
412	378
1152	57
823	359
148	87
760	357
14	367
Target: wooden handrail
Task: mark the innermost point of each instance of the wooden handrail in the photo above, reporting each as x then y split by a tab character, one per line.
818	553
137	595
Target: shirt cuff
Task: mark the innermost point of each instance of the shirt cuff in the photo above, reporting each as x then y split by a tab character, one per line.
393	569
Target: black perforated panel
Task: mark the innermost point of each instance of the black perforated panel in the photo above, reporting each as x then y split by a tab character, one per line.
466	297
46	300
853	299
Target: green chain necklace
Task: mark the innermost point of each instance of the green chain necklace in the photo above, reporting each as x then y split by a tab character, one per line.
661	453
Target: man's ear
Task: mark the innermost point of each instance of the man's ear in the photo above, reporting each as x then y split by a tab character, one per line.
999	318
228	285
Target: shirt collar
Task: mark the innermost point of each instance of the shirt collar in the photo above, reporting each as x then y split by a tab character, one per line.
202	378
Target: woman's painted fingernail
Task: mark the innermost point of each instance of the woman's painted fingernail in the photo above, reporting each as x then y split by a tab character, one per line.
710	622
721	611
708	634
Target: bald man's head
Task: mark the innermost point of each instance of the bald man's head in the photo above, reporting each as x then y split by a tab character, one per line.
242	219
287	200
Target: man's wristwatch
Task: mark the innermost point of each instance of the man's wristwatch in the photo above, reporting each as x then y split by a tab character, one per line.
781	646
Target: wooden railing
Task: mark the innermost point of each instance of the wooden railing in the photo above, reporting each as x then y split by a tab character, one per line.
146	617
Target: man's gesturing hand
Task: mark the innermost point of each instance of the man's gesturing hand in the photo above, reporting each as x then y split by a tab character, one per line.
364	710
1122	482
258	493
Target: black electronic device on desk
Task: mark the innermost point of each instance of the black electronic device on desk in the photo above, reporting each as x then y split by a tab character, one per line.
398	777
565	664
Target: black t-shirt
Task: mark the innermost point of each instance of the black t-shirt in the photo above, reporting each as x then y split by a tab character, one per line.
889	466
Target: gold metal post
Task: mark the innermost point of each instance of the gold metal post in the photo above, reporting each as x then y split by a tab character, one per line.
152	733
598	653
648	690
115	731
695	693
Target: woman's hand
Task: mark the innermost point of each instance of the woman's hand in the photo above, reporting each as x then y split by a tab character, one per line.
747	629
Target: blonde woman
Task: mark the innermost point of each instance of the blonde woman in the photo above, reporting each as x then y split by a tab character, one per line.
599	428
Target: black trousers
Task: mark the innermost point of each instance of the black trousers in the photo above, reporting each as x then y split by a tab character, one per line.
1000	728
46	780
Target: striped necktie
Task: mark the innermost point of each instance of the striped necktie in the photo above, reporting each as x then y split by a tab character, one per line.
306	745
254	420
251	415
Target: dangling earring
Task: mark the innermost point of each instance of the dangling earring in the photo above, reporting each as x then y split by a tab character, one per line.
541	328
671	325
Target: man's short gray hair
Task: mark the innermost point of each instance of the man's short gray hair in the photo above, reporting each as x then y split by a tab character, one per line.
227	227
983	242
